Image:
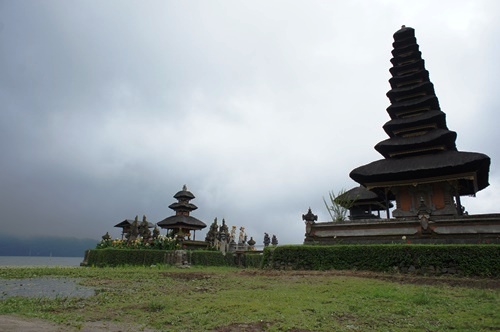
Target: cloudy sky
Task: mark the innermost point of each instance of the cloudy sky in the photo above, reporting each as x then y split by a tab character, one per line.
260	107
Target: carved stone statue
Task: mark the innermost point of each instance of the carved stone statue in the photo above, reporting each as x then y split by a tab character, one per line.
267	240
134	229
241	237
274	240
212	233
144	229
156	232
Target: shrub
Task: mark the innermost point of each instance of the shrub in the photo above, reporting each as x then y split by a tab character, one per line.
480	260
210	258
125	256
160	243
117	257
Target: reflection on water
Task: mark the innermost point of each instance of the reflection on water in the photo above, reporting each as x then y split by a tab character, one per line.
39	261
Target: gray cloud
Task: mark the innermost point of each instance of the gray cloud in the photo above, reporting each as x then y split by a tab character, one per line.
261	108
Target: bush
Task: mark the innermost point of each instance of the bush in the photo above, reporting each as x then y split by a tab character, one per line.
160	243
210	258
116	257
253	260
478	260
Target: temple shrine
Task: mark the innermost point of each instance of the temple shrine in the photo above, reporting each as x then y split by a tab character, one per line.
422	170
365	204
181	224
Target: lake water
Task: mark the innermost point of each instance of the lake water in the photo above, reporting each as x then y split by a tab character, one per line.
39	261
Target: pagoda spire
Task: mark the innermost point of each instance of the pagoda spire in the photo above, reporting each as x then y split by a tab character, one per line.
183	205
417	125
421	160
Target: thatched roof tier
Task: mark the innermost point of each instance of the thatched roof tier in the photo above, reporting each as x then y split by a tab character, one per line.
470	169
184	194
432	118
362	197
396	94
359	194
183	206
404	36
400	81
129	222
182	221
413	106
433	140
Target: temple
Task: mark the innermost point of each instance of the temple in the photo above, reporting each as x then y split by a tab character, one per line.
421	170
421	163
181	224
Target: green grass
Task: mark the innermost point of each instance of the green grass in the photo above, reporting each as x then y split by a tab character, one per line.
201	299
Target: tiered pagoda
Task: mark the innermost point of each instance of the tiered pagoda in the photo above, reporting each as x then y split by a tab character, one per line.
421	165
422	170
182	223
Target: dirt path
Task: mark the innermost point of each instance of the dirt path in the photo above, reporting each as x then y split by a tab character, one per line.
11	323
14	323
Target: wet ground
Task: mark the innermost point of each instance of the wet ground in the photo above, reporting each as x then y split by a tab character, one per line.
43	287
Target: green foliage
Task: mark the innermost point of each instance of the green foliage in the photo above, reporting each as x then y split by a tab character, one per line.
159	243
253	260
478	260
340	205
126	256
267	256
210	258
215	258
119	257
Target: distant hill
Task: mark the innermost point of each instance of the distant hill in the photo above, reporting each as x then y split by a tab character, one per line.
45	246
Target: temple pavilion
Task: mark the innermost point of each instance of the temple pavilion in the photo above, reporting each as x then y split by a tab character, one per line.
182	223
421	165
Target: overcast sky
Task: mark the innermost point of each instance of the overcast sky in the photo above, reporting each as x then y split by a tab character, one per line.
260	107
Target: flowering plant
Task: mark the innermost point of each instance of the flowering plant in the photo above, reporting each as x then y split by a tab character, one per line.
160	243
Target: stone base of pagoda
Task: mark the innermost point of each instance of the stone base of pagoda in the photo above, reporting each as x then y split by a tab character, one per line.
471	229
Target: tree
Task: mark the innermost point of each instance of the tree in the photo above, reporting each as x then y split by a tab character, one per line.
340	205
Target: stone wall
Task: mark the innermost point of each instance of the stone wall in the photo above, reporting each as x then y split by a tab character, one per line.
472	229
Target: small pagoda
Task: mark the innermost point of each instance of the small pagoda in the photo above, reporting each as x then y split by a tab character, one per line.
181	224
421	165
364	204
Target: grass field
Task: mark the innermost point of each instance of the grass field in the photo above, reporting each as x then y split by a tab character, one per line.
230	299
